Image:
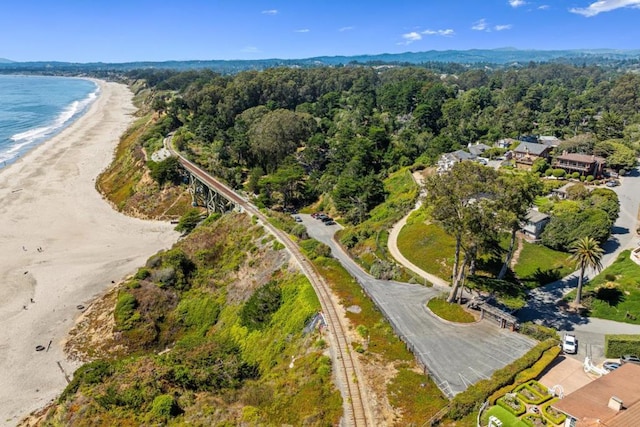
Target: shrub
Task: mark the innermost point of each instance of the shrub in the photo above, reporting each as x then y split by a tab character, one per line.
125	312
512	404
189	221
256	312
91	373
531	395
575	175
553	415
315	249
534	420
167	170
164	407
590	178
548	172
538	332
142	274
559	173
618	345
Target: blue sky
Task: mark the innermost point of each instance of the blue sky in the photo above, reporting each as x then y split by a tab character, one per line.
158	30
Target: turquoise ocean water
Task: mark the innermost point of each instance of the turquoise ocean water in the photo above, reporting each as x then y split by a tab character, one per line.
34	108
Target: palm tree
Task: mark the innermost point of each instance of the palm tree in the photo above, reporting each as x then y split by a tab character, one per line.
587	254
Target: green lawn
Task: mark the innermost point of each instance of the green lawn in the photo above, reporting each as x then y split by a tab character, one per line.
427	246
507	418
449	311
615	292
539	265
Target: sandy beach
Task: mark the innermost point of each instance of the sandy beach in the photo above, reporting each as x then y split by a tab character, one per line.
61	245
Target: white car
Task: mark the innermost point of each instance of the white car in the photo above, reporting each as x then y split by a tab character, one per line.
569	344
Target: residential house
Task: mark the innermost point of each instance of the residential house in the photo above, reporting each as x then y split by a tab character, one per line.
478	148
528	152
585	164
447	160
534	224
551	141
612	400
505	143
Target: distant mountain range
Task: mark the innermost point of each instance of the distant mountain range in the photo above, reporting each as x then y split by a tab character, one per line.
473	57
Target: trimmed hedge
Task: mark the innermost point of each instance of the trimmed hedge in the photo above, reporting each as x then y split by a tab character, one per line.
528	419
551	417
471	399
528	374
618	345
538	397
517	412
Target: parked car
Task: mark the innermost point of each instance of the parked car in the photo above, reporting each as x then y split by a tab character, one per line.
326	218
297	218
630	358
612	183
610	366
330	222
569	344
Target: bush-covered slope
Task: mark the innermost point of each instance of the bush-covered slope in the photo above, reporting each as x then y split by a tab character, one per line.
207	333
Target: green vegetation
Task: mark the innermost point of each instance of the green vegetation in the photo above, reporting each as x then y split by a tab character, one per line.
508	418
538	265
189	221
619	345
367	241
228	335
614	294
427	245
449	311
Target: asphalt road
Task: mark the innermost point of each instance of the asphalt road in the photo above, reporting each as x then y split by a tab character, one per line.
542	304
456	356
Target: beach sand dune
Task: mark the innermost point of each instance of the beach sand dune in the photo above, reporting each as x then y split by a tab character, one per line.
61	245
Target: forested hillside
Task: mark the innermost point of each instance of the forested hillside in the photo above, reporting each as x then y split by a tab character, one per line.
294	136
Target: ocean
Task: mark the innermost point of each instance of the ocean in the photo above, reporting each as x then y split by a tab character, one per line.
35	108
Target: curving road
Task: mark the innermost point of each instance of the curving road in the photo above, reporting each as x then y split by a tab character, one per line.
455	356
357	409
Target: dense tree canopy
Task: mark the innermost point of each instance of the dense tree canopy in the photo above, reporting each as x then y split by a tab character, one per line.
348	127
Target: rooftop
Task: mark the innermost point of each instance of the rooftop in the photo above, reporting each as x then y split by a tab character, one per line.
581	158
531	148
590	404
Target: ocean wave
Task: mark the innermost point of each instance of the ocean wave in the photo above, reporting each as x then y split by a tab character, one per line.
70	112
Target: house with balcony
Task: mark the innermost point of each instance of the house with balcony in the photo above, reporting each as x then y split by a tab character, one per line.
528	152
612	400
585	164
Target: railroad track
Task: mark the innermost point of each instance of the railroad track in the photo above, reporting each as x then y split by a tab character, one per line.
356	410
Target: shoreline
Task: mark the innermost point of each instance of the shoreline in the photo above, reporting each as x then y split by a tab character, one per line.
32	145
62	245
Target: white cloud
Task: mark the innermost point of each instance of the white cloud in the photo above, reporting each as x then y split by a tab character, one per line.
604	6
410	38
480	25
250	49
516	3
302	30
503	27
270	12
445	33
543	7
343	29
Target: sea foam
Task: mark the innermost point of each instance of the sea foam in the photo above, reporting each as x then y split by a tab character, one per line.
23	139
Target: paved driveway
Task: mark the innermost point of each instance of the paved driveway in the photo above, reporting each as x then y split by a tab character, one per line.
455	355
